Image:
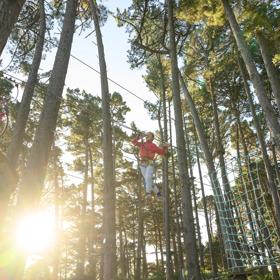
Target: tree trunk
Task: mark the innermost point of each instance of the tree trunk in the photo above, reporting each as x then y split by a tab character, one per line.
276	167
200	247
110	270
92	238
123	272
145	265
128	259
270	114
140	229
219	197
176	206
156	249
210	240
271	71
57	198
220	237
268	167
243	184
22	115
34	175
9	12
80	270
229	200
165	182
160	246
189	231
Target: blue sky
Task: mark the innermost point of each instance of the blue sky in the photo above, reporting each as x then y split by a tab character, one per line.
115	42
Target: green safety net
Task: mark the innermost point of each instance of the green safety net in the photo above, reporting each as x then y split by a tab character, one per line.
244	206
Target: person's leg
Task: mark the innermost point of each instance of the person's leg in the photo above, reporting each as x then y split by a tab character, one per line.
143	169
149	178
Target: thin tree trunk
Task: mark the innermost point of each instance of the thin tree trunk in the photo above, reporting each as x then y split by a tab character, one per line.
123	273
210	240
269	112
200	247
135	249
9	12
271	71
127	253
166	204
140	229
189	230
57	218
110	268
220	237
160	248
175	260
80	270
92	245
177	216
156	249
145	265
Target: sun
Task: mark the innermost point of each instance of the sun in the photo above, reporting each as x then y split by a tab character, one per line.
35	233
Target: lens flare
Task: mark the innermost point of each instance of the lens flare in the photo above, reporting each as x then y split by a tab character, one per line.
35	233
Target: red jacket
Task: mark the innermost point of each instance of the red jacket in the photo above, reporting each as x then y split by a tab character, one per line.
148	149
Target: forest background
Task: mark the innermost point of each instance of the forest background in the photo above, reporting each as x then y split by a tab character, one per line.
71	163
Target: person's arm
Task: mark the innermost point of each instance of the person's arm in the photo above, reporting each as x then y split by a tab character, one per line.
160	150
135	141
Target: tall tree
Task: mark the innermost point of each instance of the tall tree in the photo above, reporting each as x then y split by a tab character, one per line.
271	70
267	163
269	112
22	115
225	207
166	192
189	230
109	185
34	174
9	12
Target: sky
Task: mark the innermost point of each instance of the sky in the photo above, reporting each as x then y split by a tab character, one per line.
115	41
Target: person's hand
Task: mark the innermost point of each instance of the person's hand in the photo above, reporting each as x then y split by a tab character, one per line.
139	135
165	145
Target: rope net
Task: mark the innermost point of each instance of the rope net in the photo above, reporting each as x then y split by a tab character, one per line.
244	208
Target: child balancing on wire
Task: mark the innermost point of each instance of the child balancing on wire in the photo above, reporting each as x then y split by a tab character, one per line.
147	152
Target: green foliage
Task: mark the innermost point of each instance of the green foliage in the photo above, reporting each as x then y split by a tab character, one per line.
6	87
157	276
209	12
276	60
261	277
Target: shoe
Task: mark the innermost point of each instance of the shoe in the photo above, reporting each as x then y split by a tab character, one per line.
159	196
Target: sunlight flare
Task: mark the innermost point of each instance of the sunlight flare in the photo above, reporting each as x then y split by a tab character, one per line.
35	233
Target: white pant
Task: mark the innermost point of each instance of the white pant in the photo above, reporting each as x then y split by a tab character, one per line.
147	172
